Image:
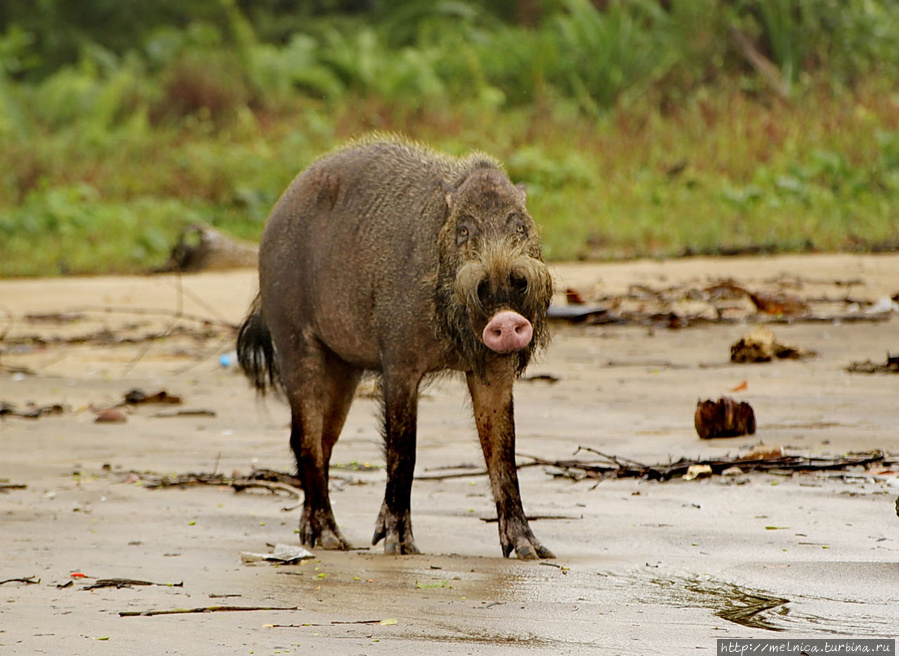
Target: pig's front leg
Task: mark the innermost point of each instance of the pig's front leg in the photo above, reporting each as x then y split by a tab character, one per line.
493	413
394	523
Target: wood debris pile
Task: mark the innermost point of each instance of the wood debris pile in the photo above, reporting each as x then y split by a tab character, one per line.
780	300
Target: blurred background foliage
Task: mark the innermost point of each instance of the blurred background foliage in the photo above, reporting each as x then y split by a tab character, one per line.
642	127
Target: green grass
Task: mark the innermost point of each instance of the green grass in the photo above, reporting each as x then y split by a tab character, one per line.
719	174
652	137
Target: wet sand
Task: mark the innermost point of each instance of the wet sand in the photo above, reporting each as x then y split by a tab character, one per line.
642	567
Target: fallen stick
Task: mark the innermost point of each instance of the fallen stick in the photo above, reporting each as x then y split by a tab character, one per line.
181	480
202	609
110	309
184	413
475	472
334	623
242	484
204	478
617	460
127	583
31	580
623	468
25	371
106	337
443	477
533	518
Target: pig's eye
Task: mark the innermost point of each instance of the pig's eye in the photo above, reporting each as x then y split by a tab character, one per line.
517	224
463	232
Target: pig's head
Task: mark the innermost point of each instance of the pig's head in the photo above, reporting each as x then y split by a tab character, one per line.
493	288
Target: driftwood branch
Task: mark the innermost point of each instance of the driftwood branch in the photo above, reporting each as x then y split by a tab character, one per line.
611	466
108	337
176	317
602	467
30	580
127	583
266	479
201	247
202	609
242	484
154	312
616	467
533	518
721	302
467	471
334	623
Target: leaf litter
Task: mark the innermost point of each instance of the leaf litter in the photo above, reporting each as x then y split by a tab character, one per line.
726	301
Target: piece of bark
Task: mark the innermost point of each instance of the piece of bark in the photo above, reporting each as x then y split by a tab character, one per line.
891	366
759	345
138	396
723	418
779	304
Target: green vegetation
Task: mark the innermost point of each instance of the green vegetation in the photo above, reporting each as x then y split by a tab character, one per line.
642	128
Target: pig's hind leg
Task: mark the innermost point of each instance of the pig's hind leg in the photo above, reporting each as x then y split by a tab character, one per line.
320	391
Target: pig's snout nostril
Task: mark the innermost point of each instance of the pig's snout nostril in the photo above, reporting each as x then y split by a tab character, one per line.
507	331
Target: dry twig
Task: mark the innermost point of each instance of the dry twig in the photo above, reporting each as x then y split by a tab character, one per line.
334	623
202	609
127	583
30	580
616	467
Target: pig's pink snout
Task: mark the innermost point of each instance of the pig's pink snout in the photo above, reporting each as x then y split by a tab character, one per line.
507	331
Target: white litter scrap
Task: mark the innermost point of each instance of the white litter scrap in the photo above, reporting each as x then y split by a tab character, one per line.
284	554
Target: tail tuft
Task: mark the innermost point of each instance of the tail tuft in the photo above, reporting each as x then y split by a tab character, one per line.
256	351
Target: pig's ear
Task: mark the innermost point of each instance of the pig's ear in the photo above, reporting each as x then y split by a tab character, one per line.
449	193
523	188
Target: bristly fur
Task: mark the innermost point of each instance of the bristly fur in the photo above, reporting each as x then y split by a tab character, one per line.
461	311
256	351
390	257
457	168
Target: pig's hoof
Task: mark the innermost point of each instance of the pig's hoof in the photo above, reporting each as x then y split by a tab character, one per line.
525	546
326	539
395	545
318	529
396	531
392	548
530	552
332	541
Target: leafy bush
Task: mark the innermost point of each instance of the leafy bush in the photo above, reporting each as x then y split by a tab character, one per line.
641	128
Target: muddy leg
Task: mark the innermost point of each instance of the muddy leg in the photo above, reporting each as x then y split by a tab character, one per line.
342	383
493	413
320	392
394	523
